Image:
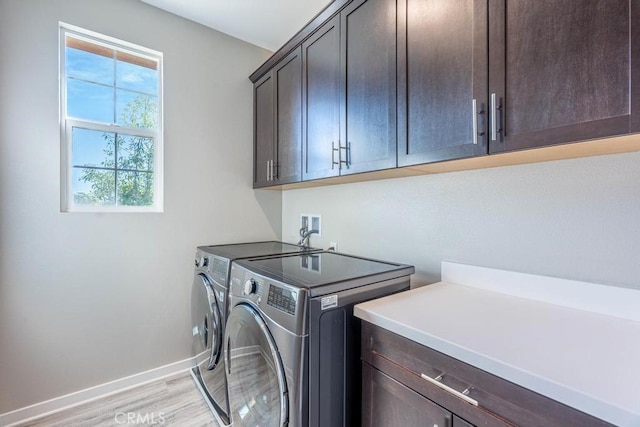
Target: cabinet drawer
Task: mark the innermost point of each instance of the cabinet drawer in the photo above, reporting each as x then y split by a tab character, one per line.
386	402
500	402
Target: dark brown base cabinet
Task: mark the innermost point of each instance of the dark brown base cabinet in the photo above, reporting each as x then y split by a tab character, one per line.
386	403
371	85
394	392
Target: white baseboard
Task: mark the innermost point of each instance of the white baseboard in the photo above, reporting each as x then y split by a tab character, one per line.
57	404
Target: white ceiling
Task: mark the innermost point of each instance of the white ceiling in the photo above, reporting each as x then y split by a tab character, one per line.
265	23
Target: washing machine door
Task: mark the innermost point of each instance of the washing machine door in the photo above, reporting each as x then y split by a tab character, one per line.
206	324
255	377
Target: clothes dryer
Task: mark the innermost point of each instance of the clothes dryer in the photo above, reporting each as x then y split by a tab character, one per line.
292	344
209	309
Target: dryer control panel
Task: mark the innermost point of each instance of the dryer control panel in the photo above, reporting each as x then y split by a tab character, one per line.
283	303
282	299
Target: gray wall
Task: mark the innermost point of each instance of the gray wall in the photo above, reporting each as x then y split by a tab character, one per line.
576	219
89	298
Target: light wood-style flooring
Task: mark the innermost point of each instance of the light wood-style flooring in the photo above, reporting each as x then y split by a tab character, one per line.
173	401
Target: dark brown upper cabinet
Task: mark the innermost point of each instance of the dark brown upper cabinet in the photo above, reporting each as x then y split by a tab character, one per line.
370	85
322	98
561	71
443	64
278	123
349	83
289	118
368	52
263	128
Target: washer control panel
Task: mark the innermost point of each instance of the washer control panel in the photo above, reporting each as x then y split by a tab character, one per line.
282	303
282	299
215	267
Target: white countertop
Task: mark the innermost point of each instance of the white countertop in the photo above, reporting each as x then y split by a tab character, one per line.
584	359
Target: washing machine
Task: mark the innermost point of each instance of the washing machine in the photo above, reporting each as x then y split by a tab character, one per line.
292	344
209	309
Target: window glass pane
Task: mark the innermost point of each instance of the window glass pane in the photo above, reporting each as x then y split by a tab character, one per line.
94	187
136	77
89	66
90	101
110	87
136	110
135	152
135	188
92	148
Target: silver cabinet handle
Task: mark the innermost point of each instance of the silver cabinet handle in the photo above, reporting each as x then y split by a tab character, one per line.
476	113
475	122
494	129
333	151
449	389
347	154
496	109
267	170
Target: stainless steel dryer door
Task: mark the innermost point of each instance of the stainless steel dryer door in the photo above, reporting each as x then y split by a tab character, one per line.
206	323
257	385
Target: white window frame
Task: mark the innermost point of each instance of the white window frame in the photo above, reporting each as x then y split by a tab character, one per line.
68	123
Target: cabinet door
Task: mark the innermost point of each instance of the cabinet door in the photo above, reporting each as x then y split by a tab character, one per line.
369	79
501	403
386	402
321	94
442	80
288	76
263	119
459	422
560	71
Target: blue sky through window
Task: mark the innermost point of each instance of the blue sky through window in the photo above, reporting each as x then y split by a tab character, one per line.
89	66
100	87
90	101
135	77
111	87
90	148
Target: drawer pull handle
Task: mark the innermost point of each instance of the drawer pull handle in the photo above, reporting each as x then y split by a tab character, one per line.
445	387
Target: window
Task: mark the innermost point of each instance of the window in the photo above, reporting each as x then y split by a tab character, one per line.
111	124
